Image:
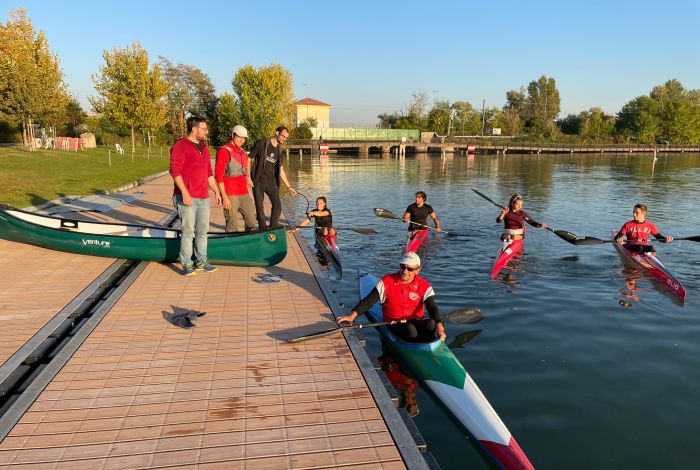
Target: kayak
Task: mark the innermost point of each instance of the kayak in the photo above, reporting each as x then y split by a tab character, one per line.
509	249
329	248
443	375
652	266
416	240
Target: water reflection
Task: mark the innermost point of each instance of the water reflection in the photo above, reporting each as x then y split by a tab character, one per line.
568	359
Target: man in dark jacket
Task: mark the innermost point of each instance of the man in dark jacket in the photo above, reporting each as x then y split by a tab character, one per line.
266	172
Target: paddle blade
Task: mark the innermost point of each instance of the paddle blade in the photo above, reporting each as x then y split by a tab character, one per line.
379	212
365	230
319	334
463	338
466	315
577	240
695	238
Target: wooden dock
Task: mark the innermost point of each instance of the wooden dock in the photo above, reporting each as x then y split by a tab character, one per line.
132	390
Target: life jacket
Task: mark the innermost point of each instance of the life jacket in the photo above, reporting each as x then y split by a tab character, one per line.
403	301
234	167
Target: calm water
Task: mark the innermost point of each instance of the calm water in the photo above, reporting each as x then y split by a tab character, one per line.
581	379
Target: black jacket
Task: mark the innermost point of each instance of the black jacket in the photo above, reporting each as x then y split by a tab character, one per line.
257	156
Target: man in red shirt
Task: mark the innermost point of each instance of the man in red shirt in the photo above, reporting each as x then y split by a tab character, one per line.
232	176
638	230
190	167
403	296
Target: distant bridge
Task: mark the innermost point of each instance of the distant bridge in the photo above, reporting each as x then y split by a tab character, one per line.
442	146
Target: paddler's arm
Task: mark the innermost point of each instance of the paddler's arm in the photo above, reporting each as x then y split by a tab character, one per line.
301	224
663	238
619	238
433	215
362	307
502	215
434	313
534	223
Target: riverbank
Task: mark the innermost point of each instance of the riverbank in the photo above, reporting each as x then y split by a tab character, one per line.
33	178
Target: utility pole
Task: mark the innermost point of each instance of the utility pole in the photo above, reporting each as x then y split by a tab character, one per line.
483	116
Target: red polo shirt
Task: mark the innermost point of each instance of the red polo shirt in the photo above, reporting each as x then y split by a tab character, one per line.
193	166
234	185
403	301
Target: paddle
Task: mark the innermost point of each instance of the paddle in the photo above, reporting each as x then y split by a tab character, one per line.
462	316
387	214
563	234
597	241
362	230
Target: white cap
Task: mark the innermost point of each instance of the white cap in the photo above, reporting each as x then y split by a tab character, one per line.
240	131
410	259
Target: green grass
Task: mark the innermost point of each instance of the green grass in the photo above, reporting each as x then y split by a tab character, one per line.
30	178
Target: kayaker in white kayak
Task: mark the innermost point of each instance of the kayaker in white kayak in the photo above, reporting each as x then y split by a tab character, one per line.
514	218
635	233
404	295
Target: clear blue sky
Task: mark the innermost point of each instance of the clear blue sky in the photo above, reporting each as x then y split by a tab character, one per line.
365	58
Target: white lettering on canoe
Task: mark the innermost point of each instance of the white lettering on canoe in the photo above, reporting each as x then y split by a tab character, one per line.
102	243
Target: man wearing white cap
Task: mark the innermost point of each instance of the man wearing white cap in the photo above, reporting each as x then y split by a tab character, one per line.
233	177
403	296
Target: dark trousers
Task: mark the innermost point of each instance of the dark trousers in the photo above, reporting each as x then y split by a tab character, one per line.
415	331
259	191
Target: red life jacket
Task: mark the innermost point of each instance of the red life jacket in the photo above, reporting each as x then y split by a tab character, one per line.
403	301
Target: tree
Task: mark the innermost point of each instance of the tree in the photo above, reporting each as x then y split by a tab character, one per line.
439	117
570	125
512	116
596	125
31	81
72	117
302	131
191	92
638	119
131	92
542	107
264	98
418	105
226	116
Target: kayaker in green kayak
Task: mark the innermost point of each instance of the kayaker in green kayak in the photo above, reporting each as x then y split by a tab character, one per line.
404	295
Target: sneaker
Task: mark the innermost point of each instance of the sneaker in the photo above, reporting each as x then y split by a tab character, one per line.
206	267
188	270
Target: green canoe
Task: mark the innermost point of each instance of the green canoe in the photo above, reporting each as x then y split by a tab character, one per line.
138	242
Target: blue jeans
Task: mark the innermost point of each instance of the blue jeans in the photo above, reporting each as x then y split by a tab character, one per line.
194	222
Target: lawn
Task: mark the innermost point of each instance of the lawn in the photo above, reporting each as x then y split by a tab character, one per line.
30	178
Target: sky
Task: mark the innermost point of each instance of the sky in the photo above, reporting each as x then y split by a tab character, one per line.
367	57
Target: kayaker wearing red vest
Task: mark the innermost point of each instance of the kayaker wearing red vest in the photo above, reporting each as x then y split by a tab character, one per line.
419	212
638	230
403	296
514	218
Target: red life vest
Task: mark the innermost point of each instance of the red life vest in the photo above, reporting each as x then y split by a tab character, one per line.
403	301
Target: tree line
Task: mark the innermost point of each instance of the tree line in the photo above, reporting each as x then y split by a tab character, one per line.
670	113
136	97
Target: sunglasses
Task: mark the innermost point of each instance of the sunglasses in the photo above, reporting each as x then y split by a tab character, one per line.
403	267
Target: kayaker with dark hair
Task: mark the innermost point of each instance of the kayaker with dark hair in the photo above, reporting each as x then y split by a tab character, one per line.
514	218
404	295
322	216
635	233
419	212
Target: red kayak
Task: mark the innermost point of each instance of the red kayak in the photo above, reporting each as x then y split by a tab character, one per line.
651	265
329	248
416	240
509	249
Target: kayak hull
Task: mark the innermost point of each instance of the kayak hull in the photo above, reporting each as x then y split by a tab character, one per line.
443	375
508	251
416	240
328	246
138	242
